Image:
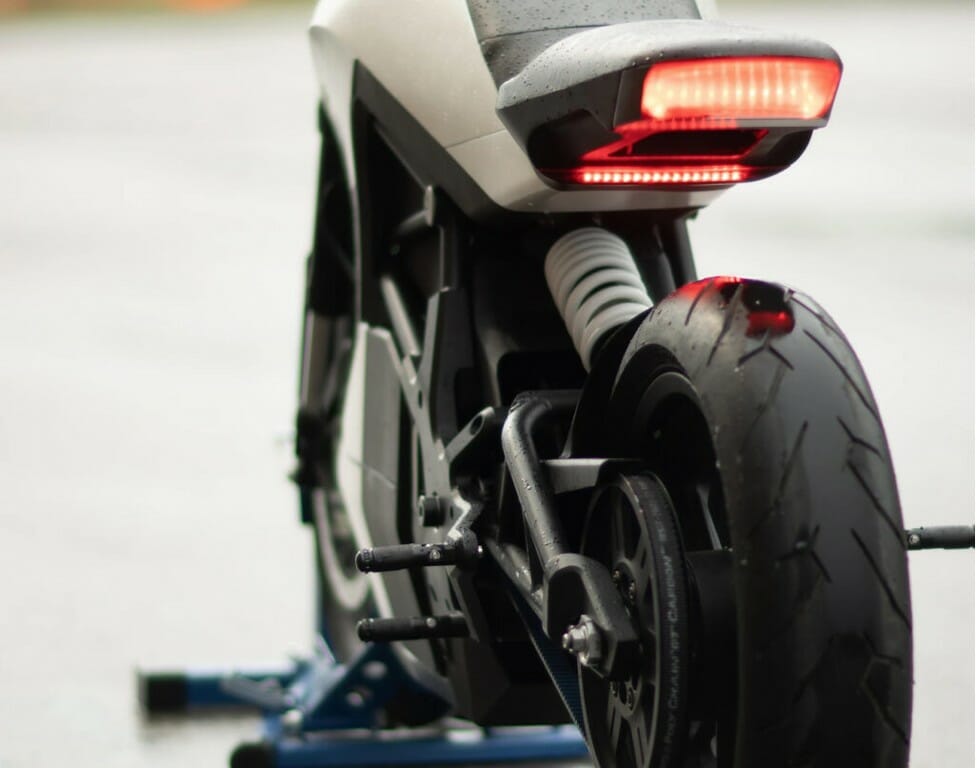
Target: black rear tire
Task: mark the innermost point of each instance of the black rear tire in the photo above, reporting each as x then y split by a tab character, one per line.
754	385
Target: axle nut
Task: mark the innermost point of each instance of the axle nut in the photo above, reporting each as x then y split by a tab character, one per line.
583	639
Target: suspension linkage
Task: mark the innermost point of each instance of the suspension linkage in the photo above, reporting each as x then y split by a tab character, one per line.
571	585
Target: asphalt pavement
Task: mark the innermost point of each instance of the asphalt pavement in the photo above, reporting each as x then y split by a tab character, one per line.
156	190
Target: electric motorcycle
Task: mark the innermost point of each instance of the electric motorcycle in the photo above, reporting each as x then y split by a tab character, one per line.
563	477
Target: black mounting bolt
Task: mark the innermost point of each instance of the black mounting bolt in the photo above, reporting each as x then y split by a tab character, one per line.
632	592
616	576
431	510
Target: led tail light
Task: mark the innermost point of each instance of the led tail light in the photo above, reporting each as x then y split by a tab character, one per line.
699	122
760	87
674	174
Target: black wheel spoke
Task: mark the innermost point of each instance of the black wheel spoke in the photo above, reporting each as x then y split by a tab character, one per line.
615	721
640	741
642	731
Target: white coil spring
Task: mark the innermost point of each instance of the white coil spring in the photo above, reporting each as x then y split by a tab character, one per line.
595	284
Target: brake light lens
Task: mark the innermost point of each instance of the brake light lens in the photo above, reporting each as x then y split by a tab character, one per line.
663	174
742	88
706	123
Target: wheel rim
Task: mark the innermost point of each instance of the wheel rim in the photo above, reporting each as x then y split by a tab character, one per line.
670	433
638	722
667	430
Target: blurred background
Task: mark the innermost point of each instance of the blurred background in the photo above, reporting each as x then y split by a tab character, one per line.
157	173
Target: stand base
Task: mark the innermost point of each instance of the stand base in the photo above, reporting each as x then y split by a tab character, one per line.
448	748
320	714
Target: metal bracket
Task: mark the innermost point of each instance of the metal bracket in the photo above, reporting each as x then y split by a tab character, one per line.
567	475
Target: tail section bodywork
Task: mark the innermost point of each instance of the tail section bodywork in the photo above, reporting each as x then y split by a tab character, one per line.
492	76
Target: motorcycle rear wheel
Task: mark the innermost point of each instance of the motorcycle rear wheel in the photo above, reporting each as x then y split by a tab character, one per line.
750	406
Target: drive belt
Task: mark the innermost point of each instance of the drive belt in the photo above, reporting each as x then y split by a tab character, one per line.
562	671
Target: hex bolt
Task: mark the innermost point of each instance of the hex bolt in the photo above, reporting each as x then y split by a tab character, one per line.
632	592
583	639
914	539
616	576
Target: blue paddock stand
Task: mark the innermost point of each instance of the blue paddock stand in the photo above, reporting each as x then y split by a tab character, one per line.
321	714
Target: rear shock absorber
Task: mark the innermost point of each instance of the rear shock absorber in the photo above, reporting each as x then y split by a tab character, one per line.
596	286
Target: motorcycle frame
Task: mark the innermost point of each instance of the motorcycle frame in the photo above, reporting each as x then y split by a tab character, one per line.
424	228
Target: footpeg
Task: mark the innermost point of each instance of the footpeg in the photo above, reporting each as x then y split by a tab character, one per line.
414	628
941	537
400	556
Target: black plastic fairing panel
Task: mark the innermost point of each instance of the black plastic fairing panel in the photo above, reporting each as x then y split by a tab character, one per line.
513	32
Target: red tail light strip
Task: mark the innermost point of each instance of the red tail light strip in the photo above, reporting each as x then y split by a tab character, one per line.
711	122
687	175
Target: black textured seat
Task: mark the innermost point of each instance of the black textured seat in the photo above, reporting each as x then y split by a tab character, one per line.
513	32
